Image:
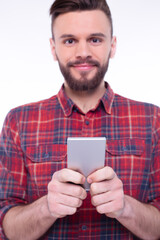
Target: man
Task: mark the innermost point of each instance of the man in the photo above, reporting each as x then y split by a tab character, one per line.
40	197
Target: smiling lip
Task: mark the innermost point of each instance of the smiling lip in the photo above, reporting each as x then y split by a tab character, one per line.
84	67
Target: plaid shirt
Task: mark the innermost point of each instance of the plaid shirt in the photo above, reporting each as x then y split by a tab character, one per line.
33	146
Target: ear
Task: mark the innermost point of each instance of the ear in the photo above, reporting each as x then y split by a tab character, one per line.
113	47
52	46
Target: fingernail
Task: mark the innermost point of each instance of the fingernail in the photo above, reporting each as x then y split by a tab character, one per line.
84	179
89	180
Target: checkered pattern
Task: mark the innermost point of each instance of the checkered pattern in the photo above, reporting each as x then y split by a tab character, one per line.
33	146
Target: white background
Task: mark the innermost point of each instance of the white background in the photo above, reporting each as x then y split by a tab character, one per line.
28	72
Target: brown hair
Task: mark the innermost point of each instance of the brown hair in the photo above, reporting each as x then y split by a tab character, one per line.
65	6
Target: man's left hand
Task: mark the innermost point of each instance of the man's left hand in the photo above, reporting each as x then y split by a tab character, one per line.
107	192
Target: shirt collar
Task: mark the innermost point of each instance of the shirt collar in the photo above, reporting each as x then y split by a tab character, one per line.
108	98
67	104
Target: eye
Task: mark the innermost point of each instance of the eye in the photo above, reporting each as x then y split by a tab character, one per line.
96	41
69	42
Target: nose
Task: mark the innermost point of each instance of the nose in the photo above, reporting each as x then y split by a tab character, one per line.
83	50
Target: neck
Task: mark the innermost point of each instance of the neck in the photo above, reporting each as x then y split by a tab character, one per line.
86	100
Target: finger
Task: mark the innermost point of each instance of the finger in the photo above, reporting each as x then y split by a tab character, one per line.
75	191
68	175
101	199
69	201
114	185
105	197
112	209
101	187
59	210
67	189
106	173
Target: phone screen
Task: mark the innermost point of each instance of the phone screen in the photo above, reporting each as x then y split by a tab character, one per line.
86	155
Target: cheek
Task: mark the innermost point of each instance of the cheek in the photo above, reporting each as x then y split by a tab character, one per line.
107	55
64	55
101	54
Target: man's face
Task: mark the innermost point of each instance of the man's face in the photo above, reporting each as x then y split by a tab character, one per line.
83	45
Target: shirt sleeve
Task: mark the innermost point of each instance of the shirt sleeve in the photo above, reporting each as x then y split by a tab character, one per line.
12	169
154	193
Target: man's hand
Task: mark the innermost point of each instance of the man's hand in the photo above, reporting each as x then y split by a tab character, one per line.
65	194
107	192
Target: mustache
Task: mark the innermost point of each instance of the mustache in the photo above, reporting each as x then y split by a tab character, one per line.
84	61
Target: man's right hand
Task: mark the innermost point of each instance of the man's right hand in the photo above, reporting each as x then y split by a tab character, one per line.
65	194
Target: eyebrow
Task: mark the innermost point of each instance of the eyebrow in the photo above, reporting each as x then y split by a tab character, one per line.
98	35
91	35
66	36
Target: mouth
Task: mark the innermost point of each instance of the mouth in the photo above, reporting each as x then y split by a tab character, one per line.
84	67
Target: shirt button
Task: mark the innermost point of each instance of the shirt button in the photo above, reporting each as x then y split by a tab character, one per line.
46	155
87	122
84	227
124	148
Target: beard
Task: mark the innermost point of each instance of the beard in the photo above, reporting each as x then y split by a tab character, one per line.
83	83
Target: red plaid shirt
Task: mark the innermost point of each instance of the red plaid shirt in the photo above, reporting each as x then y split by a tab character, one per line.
33	146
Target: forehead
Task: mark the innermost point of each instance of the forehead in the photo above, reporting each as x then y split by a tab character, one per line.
81	22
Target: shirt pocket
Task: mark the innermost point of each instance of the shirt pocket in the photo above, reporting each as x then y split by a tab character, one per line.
125	147
41	162
128	159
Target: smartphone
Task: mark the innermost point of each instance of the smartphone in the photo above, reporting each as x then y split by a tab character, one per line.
86	154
